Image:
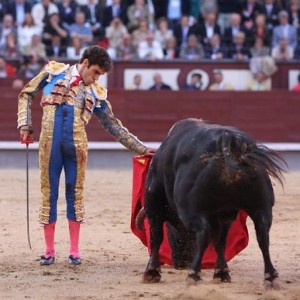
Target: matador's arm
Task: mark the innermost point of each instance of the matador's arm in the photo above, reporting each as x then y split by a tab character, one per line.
115	128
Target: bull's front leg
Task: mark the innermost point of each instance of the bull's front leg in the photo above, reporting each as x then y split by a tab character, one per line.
152	272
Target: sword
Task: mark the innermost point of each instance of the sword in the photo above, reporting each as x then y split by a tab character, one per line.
27	142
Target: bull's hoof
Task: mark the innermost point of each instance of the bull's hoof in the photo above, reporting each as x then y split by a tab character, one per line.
151	276
222	275
193	278
271	281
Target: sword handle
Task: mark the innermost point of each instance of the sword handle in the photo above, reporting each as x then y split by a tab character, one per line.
28	137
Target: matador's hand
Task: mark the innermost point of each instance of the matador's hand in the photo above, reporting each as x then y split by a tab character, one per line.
149	152
26	135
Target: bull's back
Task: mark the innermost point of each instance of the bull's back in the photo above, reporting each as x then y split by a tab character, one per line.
200	162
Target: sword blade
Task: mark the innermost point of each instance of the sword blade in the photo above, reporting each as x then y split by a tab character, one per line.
27	195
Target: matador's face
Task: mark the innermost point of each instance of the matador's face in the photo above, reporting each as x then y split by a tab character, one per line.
89	74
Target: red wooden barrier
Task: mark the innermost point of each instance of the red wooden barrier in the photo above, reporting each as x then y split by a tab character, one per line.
266	116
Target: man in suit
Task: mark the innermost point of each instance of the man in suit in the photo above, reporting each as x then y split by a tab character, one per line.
94	16
214	49
208	28
56	49
250	9
239	51
271	10
173	10
117	9
284	31
235	27
182	31
158	83
195	84
18	9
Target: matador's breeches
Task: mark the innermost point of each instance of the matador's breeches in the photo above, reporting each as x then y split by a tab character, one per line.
62	145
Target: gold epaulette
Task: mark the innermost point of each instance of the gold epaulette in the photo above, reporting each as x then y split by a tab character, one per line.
56	68
99	91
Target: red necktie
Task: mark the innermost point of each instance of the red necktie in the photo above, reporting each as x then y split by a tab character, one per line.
76	81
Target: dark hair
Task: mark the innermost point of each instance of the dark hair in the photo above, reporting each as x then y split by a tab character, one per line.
198	75
299	77
97	55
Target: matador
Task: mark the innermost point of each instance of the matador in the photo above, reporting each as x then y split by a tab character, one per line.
70	96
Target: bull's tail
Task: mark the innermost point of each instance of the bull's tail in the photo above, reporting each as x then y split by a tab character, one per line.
239	149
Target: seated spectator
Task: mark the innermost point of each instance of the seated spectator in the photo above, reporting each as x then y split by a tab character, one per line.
250	9
297	52
284	31
114	10
173	10
231	31
259	49
53	27
208	28
296	87
158	83
42	10
94	16
182	31
6	28
150	49
126	51
283	51
36	49
260	30
10	49
195	83
259	82
30	67
193	50
6	70
171	51
137	12
81	29
271	10
76	49
225	10
18	9
140	34
56	49
67	10
137	82
239	51
219	84
294	13
162	32
214	50
26	31
115	33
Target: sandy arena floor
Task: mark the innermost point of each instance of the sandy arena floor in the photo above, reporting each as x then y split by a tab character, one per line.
113	259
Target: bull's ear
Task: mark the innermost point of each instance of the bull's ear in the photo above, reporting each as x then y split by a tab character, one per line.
244	147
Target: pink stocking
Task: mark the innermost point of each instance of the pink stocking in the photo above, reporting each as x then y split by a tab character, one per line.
74	228
49	230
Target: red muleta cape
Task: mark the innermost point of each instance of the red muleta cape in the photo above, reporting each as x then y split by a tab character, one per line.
237	239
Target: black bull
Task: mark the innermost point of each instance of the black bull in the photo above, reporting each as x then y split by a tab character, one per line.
199	178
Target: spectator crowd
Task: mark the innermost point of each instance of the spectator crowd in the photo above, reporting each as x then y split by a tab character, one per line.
34	31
